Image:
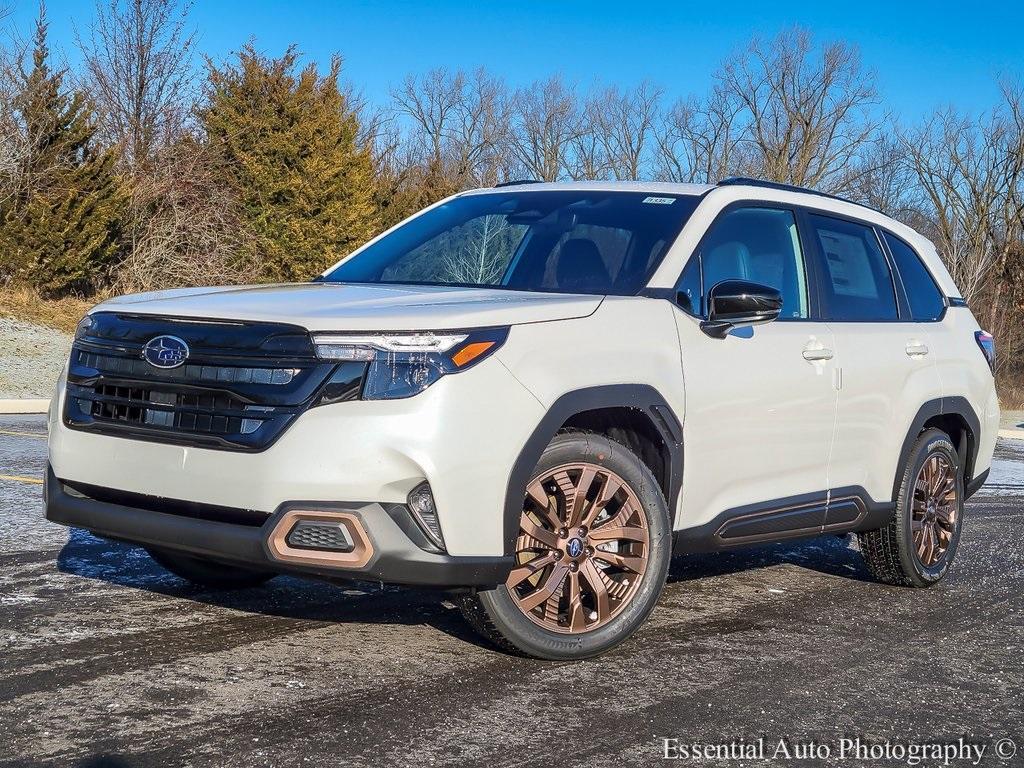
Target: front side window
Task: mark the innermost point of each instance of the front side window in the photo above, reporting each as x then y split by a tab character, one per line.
756	244
925	299
582	241
857	282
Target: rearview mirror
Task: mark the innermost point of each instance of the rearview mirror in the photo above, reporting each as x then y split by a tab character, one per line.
739	303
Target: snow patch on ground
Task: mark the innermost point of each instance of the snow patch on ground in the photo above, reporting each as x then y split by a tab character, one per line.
1005	479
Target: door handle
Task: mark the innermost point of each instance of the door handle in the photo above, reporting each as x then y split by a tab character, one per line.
916	349
816	355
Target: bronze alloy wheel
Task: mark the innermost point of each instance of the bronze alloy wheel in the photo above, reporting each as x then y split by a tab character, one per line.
934	510
582	549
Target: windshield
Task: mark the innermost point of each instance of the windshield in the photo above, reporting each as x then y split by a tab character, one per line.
557	241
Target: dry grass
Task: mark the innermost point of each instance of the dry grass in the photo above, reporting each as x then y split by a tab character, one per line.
1011	392
23	303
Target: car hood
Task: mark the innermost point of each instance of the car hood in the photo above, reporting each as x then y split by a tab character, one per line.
352	307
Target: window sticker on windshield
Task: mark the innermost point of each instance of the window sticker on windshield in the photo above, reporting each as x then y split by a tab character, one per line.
659	200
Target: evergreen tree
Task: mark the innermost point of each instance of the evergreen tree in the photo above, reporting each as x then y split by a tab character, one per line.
290	144
59	231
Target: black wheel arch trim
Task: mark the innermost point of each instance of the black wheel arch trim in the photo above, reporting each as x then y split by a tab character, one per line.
953	405
642	397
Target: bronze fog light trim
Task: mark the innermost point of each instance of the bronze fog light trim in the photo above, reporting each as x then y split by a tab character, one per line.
280	550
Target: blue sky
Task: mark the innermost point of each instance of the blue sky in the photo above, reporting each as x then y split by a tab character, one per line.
925	54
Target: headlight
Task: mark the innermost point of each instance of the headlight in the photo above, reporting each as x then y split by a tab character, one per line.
404	364
84	326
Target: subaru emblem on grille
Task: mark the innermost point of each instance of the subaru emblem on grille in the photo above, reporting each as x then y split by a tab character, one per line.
165	352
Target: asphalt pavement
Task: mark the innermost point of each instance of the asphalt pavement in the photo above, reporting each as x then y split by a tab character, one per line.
107	660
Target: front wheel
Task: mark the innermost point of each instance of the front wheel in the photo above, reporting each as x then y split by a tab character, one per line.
208	573
919	543
592	554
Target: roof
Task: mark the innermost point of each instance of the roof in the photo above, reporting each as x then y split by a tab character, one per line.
655	187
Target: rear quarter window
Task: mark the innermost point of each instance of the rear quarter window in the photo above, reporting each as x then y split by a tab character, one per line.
925	299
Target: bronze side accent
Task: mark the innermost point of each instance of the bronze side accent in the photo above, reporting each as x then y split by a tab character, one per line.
281	551
934	509
582	548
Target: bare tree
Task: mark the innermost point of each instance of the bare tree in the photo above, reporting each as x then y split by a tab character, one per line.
546	121
190	229
483	254
699	141
972	173
138	68
13	141
588	160
806	113
886	180
624	122
459	124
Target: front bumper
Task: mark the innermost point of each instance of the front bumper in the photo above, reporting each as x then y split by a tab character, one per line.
388	554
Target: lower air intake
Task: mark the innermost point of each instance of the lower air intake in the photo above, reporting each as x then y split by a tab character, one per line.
320	535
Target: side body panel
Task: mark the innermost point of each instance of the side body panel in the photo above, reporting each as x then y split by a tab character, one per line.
965	373
759	417
629	346
883	387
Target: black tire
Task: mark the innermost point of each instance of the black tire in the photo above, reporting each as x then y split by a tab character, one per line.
495	614
890	552
208	573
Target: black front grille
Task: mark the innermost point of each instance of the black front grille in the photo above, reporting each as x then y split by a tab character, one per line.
211	413
241	387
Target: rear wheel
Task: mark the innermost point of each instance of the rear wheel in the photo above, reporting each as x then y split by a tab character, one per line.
591	557
209	573
918	545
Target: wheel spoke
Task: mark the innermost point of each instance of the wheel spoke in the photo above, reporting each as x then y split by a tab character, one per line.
535	491
592	576
618	532
579	497
538	596
608	490
542	535
634	564
526	570
577	613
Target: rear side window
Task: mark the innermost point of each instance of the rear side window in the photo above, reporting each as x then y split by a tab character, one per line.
856	279
925	299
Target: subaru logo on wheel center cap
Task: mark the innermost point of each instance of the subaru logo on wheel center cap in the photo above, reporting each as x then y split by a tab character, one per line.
165	351
574	547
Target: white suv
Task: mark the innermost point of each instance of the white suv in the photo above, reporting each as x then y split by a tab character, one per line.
535	395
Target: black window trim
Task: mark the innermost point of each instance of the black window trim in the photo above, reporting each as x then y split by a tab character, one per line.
947	301
810	265
903	314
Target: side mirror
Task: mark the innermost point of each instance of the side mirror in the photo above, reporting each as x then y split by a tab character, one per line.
738	303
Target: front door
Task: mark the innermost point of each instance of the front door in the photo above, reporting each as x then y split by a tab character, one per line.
760	403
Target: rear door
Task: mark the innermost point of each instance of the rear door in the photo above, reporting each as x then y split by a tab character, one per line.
885	365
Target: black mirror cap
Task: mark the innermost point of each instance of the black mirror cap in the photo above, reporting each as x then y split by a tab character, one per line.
735	303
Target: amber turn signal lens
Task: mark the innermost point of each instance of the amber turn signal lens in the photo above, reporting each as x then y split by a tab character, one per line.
470	352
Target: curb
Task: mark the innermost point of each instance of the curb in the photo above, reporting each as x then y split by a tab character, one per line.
28	405
1012	434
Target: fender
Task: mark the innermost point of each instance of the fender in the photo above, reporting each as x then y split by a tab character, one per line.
642	397
944	406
